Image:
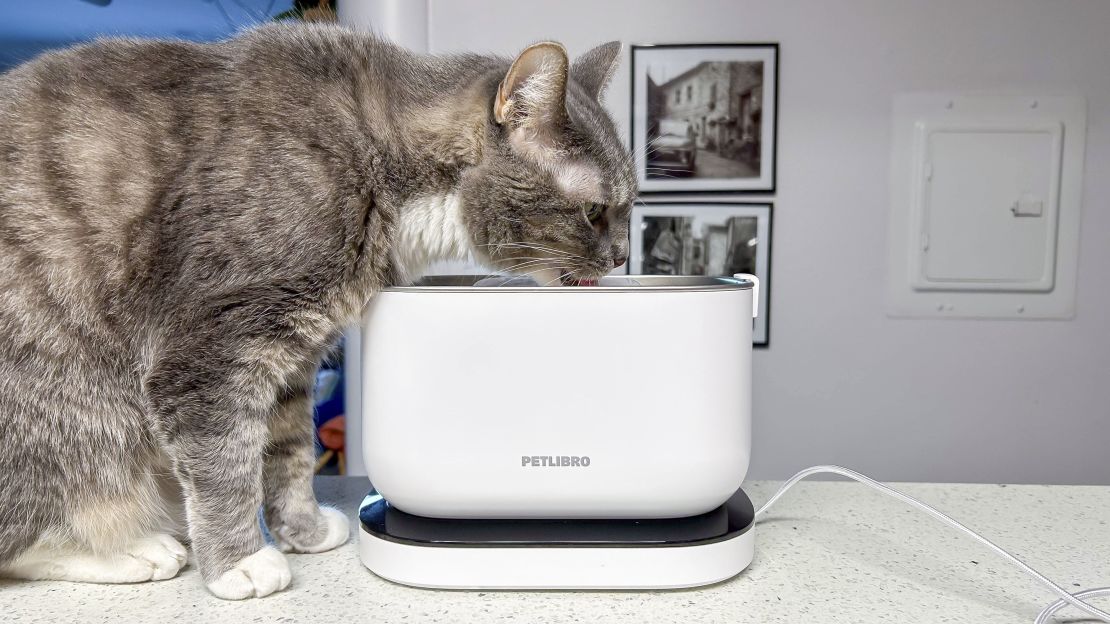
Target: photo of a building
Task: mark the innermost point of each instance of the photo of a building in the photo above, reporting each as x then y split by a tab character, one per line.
705	120
689	246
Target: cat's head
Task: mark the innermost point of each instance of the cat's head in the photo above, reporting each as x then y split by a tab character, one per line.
552	195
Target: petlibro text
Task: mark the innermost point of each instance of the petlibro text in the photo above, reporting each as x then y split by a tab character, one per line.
555	461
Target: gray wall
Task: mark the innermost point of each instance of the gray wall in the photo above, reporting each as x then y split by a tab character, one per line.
903	400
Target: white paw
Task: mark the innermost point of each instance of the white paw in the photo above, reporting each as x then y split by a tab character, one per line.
338	531
88	568
257	575
151	558
163	554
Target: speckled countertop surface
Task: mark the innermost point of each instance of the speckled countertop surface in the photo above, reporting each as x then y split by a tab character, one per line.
829	552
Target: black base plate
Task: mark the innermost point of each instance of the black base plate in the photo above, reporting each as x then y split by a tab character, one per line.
384	521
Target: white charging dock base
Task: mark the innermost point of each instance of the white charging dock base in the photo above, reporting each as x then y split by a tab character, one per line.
556	554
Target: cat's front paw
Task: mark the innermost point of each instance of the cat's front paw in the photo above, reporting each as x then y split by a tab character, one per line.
162	553
329	528
255	576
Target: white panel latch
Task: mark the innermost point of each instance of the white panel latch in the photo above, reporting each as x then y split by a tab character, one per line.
1028	205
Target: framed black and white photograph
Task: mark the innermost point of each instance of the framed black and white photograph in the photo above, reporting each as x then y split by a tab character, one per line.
704	117
711	239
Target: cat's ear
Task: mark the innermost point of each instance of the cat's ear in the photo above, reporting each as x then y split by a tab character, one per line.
533	93
594	69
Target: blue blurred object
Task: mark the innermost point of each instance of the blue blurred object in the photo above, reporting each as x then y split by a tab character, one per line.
29	28
329	395
329	400
326	381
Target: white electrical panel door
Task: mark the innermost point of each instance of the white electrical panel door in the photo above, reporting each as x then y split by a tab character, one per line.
985	203
987	197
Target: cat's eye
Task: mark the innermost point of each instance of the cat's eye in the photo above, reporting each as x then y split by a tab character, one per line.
593	211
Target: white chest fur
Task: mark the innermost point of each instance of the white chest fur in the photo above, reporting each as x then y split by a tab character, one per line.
430	229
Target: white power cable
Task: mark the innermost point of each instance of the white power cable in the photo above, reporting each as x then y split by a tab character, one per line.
1065	597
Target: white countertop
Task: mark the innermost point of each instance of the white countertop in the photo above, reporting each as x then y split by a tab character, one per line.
829	552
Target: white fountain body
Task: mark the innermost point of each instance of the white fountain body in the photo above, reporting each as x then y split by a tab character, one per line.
590	437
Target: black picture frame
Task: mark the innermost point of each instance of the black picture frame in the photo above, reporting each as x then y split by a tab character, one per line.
681	177
714	209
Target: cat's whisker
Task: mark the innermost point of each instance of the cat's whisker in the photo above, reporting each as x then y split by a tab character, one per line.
561	252
526	261
530	273
544	267
557	252
538	266
524	258
535	246
566	256
520	269
547	268
536	259
645	154
540	258
560	278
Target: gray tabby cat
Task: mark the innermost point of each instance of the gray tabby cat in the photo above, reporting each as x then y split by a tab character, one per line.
185	229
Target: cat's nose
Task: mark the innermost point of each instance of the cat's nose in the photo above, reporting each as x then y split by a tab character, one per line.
618	260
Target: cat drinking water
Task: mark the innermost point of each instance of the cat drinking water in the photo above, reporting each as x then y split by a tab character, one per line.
185	229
